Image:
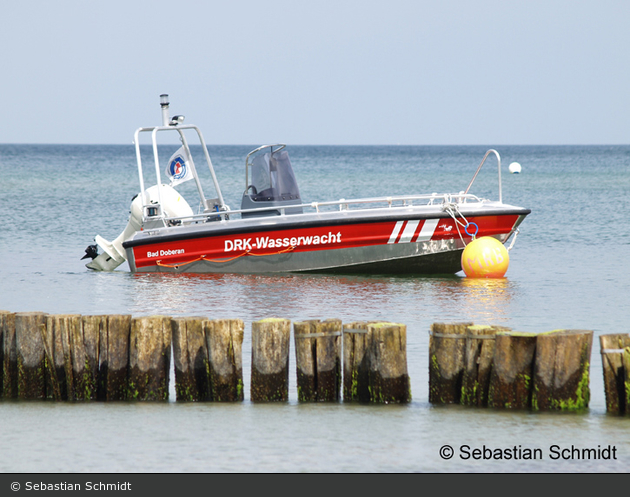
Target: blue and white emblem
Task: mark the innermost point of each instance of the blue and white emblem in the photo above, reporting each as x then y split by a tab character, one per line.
179	167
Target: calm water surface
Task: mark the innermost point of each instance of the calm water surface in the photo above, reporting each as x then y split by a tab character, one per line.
568	269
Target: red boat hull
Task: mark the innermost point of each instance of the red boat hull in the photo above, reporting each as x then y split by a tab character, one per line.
365	246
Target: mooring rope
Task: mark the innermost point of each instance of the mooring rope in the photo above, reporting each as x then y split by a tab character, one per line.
513	239
452	210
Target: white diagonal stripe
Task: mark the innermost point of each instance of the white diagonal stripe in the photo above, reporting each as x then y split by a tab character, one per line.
427	230
394	235
408	232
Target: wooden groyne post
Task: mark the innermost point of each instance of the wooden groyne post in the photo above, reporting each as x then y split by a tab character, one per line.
355	345
562	370
375	363
542	371
318	359
8	353
113	354
31	359
85	364
71	350
270	360
224	339
149	358
208	359
58	338
460	363
512	370
615	352
478	357
446	362
387	375
190	358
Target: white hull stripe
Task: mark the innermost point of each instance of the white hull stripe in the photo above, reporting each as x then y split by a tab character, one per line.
409	228
427	230
394	235
409	231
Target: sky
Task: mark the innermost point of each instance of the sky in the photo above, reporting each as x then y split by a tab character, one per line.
417	72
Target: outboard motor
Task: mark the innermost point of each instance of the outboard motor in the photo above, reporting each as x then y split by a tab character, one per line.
273	184
113	255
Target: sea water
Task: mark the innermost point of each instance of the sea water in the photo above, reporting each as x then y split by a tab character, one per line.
568	269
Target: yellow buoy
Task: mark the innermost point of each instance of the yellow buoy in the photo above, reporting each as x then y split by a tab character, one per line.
485	257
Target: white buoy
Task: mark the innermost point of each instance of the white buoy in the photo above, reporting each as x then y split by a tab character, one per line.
515	168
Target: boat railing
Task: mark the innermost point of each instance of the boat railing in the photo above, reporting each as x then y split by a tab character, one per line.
491	151
216	209
391	202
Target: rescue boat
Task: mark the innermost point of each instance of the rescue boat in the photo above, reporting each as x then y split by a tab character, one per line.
276	231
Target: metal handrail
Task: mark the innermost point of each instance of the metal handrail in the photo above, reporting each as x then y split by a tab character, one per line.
479	168
223	211
431	198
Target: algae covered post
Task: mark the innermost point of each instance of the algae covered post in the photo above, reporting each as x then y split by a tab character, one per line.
9	355
561	370
31	359
318	359
225	344
446	362
85	350
388	378
190	357
355	344
615	351
512	370
478	357
58	339
149	357
270	359
113	356
71	349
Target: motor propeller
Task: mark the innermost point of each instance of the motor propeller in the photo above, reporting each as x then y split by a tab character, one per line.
91	251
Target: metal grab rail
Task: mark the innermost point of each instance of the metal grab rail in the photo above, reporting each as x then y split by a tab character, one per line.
446	198
479	168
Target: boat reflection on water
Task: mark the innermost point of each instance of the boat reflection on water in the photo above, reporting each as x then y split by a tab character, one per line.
255	296
414	301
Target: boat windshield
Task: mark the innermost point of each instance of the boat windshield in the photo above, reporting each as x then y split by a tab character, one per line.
273	178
